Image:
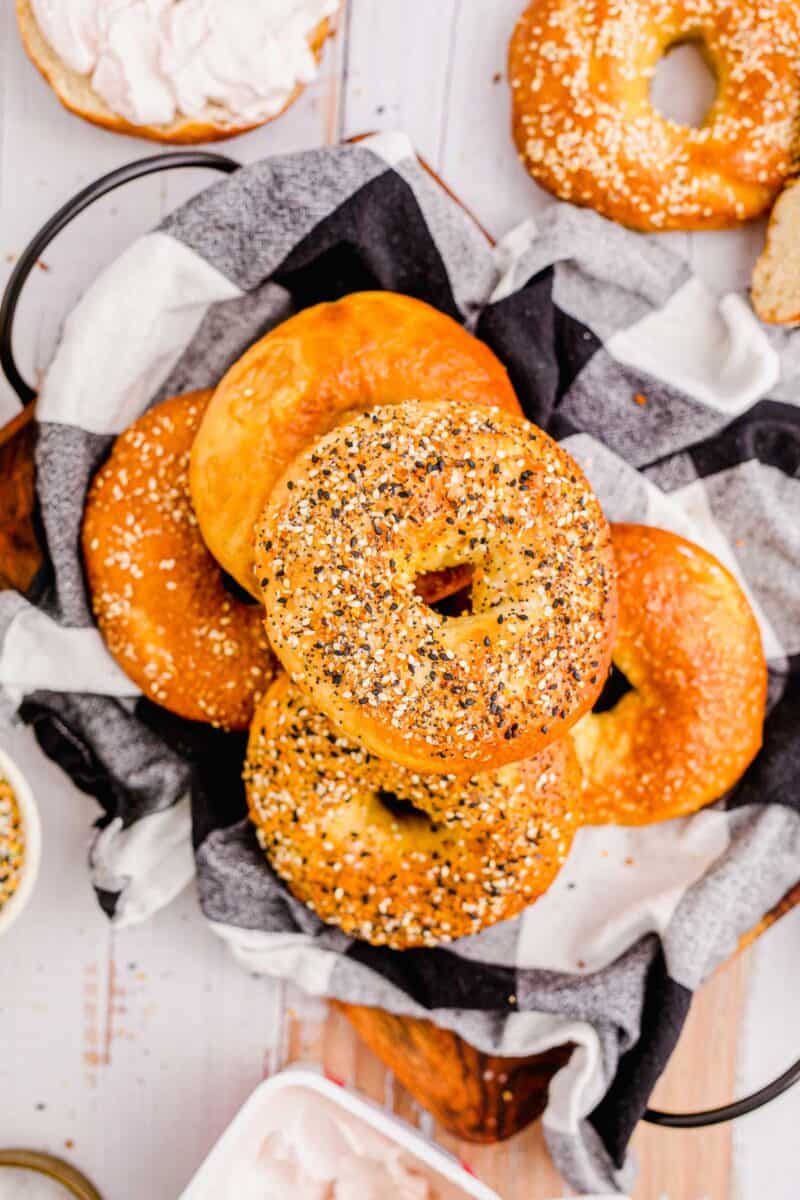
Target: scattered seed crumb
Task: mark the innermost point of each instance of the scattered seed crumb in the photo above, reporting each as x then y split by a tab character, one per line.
581	964
496	78
640	398
628	861
40	1107
69	1144
42	265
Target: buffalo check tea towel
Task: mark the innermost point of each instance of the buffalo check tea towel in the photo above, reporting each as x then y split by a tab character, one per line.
682	410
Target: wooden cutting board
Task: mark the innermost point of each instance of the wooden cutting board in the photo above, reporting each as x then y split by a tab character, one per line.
478	1097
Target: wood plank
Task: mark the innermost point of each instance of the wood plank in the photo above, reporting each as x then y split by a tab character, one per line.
520	1169
478	157
188	1033
116	1035
398	64
55	961
691	1164
765	1143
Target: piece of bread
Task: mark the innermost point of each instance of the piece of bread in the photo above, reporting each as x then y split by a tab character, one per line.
776	276
76	93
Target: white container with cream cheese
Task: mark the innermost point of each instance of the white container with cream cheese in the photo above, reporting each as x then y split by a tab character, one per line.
305	1137
301	1136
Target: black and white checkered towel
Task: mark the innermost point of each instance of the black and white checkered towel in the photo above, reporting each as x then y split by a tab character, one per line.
586	316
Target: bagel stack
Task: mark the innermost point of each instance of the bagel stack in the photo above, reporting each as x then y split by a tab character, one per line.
438	587
413	782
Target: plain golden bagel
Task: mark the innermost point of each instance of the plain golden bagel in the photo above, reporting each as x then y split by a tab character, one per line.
396	858
688	643
77	95
158	596
581	71
297	382
401	490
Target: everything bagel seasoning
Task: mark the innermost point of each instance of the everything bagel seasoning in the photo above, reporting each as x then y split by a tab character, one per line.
12	843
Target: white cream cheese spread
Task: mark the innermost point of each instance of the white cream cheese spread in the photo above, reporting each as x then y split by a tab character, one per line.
323	1153
155	61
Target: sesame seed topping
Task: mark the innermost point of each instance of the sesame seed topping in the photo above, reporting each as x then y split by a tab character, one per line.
580	76
158	596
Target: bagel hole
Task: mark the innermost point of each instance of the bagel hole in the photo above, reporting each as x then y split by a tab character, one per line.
616	686
684	86
447	592
457	604
402	809
235	589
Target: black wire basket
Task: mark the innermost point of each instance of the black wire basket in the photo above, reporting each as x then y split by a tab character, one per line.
27	394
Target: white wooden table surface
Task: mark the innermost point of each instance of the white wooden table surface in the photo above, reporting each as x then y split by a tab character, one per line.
130	1052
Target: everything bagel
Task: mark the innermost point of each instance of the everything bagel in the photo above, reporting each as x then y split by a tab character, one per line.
298	381
401	490
393	857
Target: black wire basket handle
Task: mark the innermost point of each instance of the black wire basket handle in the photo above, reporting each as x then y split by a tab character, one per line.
67	213
8	307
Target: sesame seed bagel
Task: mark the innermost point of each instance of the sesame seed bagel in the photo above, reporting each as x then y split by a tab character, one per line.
587	131
295	384
689	645
158	596
393	857
401	490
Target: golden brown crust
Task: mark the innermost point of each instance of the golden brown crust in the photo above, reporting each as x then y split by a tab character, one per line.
776	275
76	94
295	384
158	596
400	490
397	858
688	642
580	72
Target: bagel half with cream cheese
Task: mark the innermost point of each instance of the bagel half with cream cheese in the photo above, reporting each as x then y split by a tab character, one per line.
213	120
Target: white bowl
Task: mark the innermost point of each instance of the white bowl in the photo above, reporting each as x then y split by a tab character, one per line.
33	841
